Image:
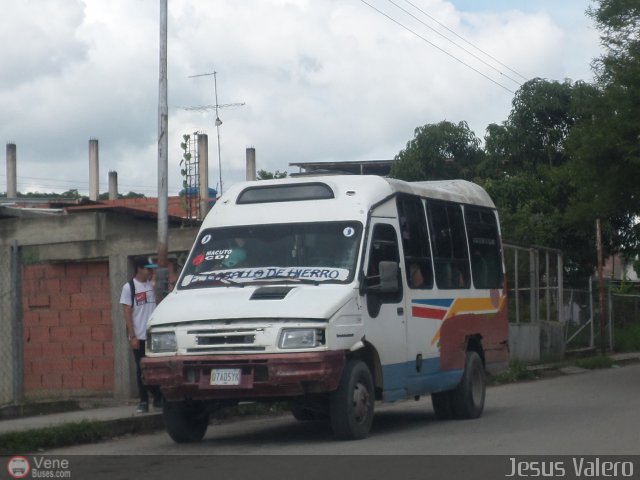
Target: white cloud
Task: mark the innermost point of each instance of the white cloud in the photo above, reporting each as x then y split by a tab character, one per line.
329	80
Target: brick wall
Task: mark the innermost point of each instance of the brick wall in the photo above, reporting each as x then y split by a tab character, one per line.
68	348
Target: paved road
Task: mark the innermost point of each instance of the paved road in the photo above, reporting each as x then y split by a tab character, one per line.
588	413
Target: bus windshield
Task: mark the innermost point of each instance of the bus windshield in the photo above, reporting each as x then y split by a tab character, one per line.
288	252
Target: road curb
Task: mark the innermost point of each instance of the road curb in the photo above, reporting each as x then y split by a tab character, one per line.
139	424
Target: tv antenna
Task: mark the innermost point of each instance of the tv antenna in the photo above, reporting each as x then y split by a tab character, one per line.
216	107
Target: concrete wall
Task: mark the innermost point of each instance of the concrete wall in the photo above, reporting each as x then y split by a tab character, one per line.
94	249
524	342
552	342
535	342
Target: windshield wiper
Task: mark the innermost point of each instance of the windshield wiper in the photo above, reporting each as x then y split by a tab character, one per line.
232	283
208	281
289	279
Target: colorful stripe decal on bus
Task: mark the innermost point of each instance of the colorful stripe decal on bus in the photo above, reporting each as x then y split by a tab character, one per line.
443	309
431	309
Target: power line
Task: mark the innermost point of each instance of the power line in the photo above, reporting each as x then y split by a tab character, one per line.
439	48
449	40
465	40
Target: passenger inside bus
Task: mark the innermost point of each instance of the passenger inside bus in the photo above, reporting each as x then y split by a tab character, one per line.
416	279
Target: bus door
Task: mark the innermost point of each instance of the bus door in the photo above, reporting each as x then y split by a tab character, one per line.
425	310
385	325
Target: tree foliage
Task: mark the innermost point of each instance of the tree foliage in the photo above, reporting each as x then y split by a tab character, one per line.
439	151
568	153
542	115
524	165
265	175
605	149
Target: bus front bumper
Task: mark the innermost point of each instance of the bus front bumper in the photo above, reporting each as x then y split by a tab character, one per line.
253	376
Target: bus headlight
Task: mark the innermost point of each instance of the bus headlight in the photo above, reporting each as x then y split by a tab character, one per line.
163	342
301	337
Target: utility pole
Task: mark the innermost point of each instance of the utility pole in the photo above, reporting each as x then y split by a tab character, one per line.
162	272
218	122
603	343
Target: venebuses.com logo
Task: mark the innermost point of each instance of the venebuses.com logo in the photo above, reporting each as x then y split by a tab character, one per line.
38	467
18	467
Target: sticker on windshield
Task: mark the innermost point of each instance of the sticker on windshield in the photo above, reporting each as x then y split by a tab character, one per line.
268	273
349	232
206	239
198	259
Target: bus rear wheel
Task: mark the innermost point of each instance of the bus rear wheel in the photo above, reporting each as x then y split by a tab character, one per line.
443	405
468	397
351	405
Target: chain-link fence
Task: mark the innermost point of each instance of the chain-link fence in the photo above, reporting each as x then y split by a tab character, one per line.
624	314
534	280
615	326
535	295
579	316
542	303
10	327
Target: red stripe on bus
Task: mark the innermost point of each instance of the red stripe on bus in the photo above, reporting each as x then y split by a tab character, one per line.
425	312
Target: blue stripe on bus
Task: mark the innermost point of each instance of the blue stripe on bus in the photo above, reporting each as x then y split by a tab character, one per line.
435	302
397	386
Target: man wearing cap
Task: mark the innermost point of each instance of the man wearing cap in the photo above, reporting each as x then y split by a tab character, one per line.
138	305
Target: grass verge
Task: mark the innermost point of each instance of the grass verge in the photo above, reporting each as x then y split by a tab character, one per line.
50	437
516	372
627	339
592	363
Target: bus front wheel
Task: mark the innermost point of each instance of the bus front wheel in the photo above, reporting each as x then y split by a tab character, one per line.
351	405
186	422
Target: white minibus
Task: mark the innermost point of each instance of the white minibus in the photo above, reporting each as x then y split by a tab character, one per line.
330	293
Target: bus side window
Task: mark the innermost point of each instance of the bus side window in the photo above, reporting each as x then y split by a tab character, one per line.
484	243
415	242
451	257
383	247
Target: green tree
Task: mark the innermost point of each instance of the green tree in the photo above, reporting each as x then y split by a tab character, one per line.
265	175
528	169
606	147
542	115
439	151
105	196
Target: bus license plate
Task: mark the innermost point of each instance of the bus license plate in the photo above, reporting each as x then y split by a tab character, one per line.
225	376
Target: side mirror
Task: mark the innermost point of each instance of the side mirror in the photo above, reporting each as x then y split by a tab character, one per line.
385	282
388	277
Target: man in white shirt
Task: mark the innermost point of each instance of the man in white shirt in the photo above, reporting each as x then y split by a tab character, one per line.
137	306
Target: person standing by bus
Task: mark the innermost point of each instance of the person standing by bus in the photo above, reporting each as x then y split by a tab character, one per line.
138	301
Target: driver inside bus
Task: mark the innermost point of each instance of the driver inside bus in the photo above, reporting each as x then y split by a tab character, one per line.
238	254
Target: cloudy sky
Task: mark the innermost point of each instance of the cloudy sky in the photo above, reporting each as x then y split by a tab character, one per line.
322	80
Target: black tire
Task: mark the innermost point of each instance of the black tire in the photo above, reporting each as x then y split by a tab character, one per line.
186	422
305	414
351	405
443	405
468	397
